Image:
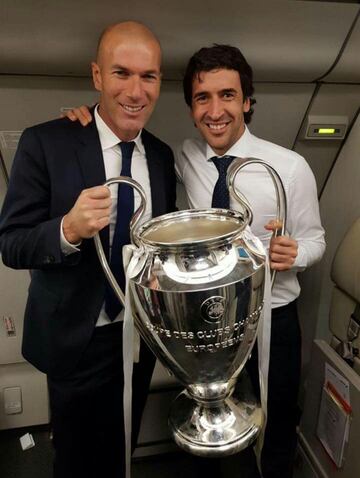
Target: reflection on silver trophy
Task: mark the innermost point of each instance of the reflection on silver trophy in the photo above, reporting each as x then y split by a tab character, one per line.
196	299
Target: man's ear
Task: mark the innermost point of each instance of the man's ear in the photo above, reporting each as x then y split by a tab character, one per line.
247	105
96	75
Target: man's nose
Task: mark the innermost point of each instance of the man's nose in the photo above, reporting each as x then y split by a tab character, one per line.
215	109
135	88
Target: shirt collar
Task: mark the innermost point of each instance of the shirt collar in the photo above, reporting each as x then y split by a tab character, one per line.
239	149
108	138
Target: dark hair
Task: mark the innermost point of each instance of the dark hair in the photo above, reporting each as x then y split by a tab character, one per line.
216	57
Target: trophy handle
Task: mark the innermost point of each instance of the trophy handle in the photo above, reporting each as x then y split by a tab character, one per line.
281	206
134	221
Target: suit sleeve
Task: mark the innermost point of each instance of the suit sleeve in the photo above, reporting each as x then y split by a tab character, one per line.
29	236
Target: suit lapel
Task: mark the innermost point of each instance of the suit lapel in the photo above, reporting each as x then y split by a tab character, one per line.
154	163
91	163
90	156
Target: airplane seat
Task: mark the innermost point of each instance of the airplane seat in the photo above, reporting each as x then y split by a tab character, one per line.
344	315
340	360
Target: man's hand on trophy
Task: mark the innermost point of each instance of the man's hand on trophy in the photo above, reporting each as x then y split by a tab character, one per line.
283	249
80	113
90	214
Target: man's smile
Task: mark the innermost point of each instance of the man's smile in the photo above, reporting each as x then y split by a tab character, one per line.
217	126
131	108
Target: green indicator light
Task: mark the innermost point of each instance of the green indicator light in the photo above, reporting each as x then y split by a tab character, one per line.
326	131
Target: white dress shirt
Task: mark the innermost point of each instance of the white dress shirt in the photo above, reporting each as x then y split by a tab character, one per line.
199	174
113	162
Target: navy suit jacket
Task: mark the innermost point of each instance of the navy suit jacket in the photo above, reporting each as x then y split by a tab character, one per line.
54	162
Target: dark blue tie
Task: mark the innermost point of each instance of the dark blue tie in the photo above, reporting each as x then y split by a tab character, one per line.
125	210
221	198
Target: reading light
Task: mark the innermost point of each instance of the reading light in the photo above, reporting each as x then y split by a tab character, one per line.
326	127
327	131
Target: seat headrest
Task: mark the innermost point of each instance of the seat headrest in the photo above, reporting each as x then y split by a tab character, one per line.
345	271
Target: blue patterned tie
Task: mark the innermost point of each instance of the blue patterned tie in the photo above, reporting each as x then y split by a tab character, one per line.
221	198
125	210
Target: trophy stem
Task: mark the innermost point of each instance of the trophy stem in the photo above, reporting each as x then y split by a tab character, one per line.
215	428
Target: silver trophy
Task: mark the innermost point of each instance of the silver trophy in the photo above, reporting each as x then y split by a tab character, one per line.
196	299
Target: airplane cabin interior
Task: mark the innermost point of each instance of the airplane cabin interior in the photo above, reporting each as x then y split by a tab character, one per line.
306	63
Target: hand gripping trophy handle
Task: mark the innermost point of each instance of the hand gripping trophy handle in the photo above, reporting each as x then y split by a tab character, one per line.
281	208
134	221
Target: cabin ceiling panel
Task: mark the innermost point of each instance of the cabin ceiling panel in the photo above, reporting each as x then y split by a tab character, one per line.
283	40
348	67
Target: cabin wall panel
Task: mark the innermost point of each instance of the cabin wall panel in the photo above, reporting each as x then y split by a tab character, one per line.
28	100
339	208
332	100
35	404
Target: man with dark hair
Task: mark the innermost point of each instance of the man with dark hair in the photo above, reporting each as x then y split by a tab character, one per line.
228	57
218	88
54	206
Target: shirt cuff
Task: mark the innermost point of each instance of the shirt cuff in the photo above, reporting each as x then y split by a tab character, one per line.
300	261
66	247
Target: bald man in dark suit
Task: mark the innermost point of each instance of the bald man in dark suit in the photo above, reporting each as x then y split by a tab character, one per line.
54	206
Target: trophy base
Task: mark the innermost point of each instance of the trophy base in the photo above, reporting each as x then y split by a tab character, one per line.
210	430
